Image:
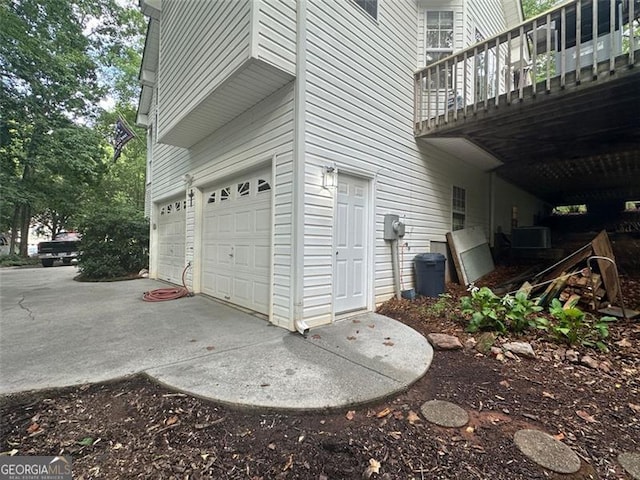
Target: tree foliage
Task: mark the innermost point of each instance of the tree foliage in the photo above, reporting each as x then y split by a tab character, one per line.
58	60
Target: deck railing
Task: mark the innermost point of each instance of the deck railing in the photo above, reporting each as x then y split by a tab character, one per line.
553	49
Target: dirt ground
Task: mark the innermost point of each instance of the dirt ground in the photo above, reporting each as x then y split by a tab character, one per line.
134	428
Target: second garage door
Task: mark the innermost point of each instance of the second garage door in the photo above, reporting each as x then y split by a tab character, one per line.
171	228
236	241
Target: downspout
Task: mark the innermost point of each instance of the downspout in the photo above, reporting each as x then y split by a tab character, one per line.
395	267
298	167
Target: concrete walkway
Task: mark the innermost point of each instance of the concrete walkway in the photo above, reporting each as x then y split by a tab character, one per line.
56	332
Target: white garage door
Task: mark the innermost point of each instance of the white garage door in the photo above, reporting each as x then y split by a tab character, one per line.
236	241
171	237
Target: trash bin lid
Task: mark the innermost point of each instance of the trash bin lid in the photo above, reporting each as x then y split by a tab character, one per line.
429	258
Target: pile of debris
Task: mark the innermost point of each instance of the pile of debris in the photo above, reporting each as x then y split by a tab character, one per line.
588	278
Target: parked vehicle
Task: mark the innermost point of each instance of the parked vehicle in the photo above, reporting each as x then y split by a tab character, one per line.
4	244
63	247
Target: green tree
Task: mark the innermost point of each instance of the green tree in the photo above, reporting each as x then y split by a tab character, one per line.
58	58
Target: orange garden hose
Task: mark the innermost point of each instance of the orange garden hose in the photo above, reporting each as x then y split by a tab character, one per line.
170	293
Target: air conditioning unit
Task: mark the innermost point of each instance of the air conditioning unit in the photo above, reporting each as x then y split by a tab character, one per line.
531	237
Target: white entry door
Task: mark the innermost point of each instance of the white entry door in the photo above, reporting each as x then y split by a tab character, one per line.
352	220
171	240
236	241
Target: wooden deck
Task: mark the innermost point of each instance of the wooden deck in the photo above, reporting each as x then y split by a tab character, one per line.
569	139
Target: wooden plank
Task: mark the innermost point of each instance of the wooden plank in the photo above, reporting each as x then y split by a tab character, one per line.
602	247
568	263
456	258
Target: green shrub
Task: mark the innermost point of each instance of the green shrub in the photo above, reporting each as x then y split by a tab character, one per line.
509	313
115	243
575	327
486	309
14	260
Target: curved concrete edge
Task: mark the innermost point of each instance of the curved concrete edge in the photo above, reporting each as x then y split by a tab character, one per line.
353	362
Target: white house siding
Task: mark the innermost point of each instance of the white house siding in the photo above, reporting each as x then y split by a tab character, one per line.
276	37
253	139
529	208
359	118
201	44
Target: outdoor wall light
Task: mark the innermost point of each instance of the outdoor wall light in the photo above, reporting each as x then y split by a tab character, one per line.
188	178
329	177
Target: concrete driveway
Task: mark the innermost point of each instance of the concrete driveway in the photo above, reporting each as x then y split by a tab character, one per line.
56	332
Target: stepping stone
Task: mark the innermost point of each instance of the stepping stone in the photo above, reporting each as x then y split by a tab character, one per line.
631	464
546	451
445	414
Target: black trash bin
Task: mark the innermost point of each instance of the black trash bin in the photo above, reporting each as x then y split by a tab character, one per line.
429	274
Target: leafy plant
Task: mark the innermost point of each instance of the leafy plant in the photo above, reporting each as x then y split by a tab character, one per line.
515	313
521	313
575	327
438	308
487	310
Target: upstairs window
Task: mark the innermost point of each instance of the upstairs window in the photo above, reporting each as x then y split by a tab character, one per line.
369	6
439	43
458	208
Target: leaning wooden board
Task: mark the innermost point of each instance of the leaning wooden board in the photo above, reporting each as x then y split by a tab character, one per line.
602	248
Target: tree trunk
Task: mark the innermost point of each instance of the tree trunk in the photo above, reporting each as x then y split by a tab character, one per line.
24	230
15	227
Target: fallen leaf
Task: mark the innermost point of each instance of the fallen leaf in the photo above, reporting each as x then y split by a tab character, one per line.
505	383
289	464
374	467
559	437
351	338
470	429
413	417
548	395
634	407
171	420
585	416
395	435
211	347
355	320
350	415
271	446
117	446
316	336
624	343
388	344
373	325
34	427
384	412
86	442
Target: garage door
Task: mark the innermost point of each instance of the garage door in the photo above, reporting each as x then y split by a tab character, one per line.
171	237
236	241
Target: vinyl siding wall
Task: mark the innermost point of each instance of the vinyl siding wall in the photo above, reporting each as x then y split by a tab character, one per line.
359	118
201	44
276	34
253	139
506	197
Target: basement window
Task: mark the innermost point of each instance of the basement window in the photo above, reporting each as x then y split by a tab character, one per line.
458	208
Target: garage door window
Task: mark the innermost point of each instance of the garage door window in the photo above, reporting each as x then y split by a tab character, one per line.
244	189
263	186
225	193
